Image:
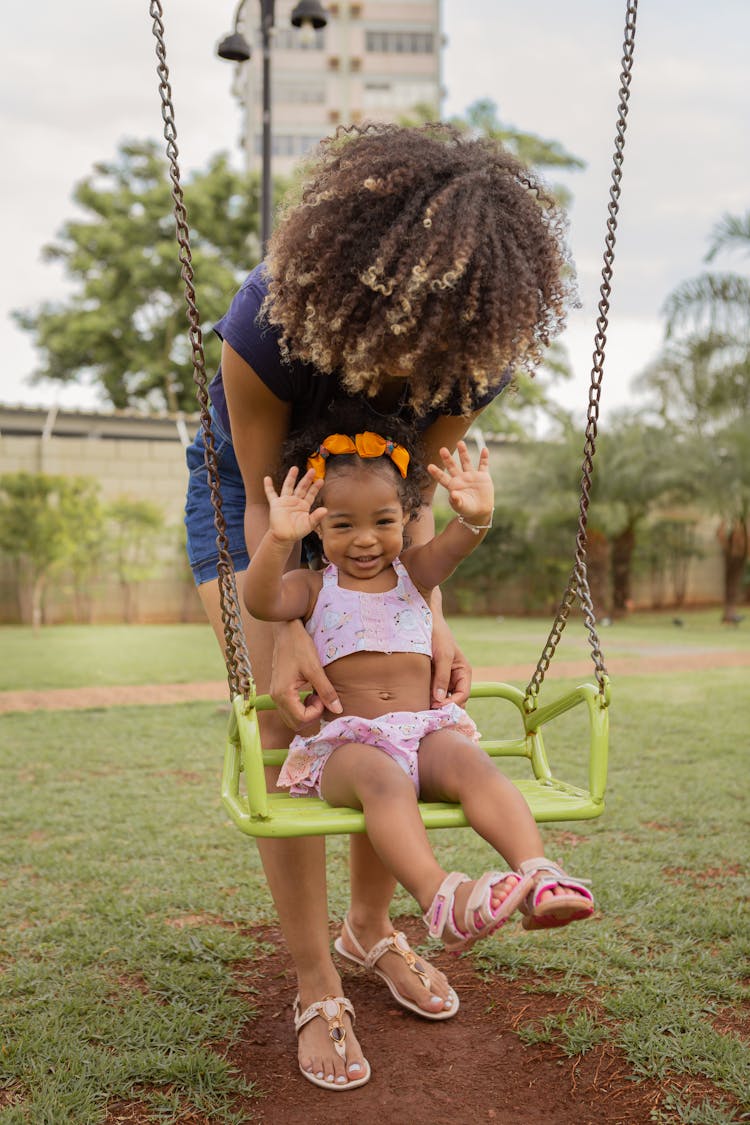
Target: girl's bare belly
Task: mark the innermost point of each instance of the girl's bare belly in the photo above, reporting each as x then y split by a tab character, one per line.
372	683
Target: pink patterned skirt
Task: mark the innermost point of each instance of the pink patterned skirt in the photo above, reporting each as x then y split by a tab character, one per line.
398	734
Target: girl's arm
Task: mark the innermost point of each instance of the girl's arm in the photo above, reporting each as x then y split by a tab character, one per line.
451	673
270	594
471	495
260	424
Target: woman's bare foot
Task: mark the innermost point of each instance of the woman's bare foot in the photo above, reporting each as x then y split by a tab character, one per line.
423	985
315	1049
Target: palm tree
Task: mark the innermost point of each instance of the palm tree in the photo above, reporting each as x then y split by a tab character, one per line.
701	384
715	302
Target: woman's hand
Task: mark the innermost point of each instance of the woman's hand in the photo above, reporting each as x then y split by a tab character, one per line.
451	671
296	668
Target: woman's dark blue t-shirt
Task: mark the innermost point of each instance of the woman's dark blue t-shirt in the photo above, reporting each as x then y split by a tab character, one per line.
308	390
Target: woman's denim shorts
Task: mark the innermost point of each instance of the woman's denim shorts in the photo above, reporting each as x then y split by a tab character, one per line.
203	553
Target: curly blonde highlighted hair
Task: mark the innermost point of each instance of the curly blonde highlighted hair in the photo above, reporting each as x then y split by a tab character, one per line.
418	252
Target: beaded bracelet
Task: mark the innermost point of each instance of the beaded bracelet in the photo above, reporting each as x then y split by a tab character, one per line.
475	528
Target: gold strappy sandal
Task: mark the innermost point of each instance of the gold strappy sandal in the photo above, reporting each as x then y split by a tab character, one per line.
394	943
332	1009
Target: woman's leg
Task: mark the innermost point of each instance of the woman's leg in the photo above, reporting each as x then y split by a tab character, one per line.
296	874
372	887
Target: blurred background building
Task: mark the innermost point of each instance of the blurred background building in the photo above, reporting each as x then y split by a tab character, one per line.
375	60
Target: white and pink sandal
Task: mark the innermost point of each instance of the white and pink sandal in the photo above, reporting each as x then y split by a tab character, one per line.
479	920
576	904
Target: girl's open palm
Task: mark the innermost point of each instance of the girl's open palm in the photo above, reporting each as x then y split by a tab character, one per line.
470	491
290	517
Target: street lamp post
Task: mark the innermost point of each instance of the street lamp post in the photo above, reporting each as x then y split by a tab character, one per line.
234	47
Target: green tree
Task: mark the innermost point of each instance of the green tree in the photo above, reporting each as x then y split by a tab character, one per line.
722	468
37	532
703	393
528	407
639	468
481	118
635	470
701	385
124	326
86	524
715	301
665	549
136	528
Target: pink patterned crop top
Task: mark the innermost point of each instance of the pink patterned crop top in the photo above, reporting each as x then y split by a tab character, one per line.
347	621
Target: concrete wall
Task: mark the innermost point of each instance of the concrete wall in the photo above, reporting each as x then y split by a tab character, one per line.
130	456
143	457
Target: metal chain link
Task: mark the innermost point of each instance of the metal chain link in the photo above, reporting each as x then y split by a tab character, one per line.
578	584
237	659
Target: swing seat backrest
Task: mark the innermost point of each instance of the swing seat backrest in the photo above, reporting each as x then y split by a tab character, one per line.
258	812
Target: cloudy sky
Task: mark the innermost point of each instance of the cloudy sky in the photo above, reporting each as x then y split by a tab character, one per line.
79	77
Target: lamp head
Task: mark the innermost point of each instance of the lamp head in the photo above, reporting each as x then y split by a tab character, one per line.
309	12
234	47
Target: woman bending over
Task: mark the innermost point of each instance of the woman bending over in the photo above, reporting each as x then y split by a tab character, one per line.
417	270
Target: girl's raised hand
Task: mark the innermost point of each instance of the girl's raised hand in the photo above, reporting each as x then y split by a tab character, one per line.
471	492
290	517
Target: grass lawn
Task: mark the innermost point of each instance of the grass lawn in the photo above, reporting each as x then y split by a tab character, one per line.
112	832
68	656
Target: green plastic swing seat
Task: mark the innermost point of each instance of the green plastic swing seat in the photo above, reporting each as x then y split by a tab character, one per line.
256	812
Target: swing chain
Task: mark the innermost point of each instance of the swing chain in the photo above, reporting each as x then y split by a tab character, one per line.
578	584
237	658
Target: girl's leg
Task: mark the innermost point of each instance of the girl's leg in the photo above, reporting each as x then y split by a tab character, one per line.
296	874
453	768
363	777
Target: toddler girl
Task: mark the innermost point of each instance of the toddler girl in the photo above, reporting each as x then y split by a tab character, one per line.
368	615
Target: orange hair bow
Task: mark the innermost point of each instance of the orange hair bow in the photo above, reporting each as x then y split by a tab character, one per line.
367	444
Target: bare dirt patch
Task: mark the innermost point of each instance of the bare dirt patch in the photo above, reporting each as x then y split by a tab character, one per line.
472	1068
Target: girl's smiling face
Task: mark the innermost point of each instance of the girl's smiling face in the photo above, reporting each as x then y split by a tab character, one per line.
363	529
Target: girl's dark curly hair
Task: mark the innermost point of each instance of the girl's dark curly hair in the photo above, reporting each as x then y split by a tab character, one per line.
420	252
352	417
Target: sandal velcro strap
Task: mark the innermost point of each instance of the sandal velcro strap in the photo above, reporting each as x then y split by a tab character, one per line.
479	917
332	1009
440	913
555	876
574	904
